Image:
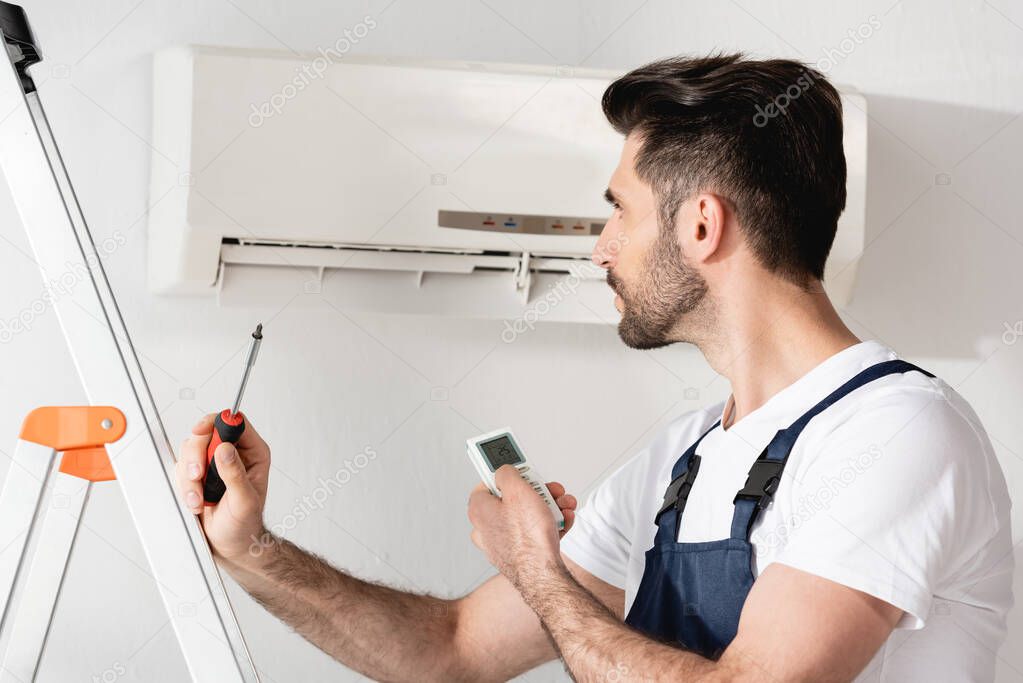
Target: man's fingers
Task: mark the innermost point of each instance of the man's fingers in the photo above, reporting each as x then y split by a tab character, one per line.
189	490
204	427
509	480
190	468
480	494
251	446
566	502
192	457
569	516
480	502
503	475
232	470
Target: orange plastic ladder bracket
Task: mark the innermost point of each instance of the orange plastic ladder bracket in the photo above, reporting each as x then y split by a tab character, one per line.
81	433
91	464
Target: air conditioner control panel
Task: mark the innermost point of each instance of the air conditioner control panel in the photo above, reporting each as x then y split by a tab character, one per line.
529	224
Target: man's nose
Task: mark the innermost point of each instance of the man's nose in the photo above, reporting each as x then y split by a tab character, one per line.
604	256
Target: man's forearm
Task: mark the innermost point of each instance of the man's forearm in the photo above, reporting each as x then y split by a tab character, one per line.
381	632
596	646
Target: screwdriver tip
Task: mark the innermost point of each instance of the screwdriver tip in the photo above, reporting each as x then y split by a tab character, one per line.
258	334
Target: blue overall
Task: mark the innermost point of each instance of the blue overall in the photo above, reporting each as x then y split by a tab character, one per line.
691	594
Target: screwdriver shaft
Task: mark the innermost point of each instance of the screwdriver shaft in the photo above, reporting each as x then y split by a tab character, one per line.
257	339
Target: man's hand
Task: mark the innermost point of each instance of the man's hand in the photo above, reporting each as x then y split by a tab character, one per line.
517	531
234	526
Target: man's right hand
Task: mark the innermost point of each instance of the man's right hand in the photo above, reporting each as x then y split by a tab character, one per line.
234	526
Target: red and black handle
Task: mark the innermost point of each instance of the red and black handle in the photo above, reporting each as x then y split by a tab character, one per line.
227	428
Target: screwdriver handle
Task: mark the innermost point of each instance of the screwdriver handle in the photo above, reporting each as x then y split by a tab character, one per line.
227	428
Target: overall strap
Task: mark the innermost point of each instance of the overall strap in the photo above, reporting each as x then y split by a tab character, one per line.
683	475
765	474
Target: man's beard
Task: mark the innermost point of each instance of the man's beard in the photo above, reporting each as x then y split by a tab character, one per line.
669	289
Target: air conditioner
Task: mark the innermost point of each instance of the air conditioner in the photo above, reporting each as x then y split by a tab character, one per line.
436	187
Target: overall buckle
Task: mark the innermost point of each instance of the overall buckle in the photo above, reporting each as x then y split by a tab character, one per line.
762	481
678	490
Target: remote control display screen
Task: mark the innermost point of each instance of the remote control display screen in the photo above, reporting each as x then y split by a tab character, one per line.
500	451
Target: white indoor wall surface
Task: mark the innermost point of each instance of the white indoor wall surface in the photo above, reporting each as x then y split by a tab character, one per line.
940	282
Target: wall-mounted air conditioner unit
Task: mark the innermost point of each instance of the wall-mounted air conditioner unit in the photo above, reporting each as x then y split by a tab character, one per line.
457	187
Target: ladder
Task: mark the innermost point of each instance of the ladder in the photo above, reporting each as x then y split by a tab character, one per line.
117	438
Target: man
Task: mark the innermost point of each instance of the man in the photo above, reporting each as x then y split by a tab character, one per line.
841	516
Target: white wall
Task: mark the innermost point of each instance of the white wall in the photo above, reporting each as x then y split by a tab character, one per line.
939	282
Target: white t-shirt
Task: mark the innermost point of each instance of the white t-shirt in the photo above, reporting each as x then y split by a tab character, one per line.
894	490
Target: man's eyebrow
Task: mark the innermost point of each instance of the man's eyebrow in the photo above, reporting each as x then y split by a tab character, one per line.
610	196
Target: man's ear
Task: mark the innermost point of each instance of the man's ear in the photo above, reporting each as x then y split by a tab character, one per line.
701	227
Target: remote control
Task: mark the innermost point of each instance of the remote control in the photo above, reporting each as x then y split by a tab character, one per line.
491	450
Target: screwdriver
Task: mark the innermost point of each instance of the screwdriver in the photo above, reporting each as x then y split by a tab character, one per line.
228	427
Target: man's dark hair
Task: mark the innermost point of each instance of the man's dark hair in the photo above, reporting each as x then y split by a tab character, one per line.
764	135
